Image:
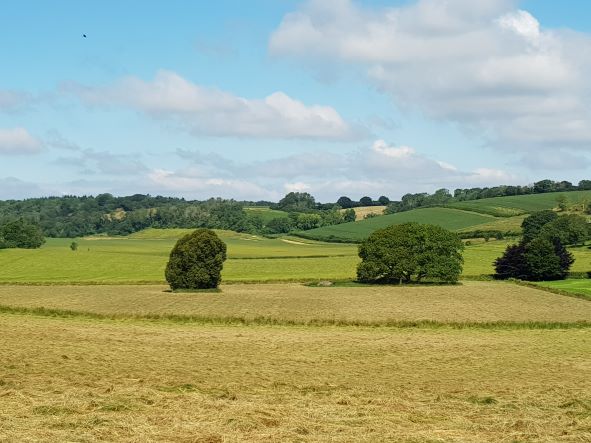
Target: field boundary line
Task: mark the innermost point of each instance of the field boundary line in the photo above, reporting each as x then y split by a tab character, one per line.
270	321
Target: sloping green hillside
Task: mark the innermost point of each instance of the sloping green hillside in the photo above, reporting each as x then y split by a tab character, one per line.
499	213
448	218
519	204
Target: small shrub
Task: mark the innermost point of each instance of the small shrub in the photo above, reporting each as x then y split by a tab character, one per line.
74	246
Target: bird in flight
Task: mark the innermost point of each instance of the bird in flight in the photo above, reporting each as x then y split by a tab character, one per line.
84	35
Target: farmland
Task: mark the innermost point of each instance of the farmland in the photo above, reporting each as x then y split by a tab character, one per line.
501	214
114	361
141	257
447	218
292	303
581	287
140	373
520	204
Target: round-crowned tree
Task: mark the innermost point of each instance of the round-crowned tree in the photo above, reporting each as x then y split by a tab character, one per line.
196	261
410	252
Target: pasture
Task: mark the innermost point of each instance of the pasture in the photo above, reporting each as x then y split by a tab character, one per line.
452	219
141	258
496	362
520	204
581	287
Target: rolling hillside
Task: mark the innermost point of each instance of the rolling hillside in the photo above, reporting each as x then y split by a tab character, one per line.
519	204
453	219
500	213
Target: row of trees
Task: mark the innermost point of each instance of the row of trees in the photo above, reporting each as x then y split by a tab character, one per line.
72	217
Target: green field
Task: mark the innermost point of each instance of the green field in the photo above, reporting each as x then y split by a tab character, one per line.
447	218
484	362
519	204
574	286
141	258
500	214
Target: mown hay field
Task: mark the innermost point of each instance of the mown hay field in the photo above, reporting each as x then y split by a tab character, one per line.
362	211
141	258
470	302
87	380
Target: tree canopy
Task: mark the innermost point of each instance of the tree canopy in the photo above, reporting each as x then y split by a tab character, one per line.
410	252
541	255
21	234
196	261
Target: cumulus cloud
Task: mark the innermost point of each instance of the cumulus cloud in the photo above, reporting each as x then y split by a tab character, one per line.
207	111
485	64
18	141
185	183
380	168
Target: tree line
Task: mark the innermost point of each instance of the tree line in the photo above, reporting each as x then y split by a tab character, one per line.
72	216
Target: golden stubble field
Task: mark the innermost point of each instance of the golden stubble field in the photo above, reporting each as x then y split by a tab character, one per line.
86	380
469	302
498	363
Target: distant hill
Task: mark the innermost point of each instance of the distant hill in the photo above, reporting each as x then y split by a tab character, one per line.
519	204
499	213
453	219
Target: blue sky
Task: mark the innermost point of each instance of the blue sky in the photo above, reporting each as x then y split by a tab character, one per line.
250	100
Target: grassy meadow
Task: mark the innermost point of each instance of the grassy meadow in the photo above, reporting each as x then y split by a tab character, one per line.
581	287
500	213
452	219
520	204
141	258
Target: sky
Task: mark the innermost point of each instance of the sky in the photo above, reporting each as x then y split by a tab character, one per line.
251	100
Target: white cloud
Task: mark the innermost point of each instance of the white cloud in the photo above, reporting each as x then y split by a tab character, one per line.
381	147
485	64
297	187
207	111
184	183
17	141
377	169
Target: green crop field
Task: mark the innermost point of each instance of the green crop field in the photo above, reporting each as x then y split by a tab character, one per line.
520	204
141	258
484	362
452	219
